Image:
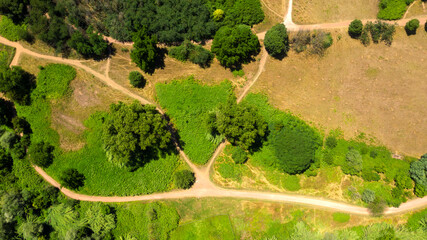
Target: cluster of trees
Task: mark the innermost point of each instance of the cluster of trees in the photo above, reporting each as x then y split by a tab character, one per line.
16	84
241	124
378	31
234	46
316	42
195	53
53	23
277	41
133	134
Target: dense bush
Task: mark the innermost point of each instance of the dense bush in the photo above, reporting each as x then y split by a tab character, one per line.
17	84
276	41
369	175
41	154
72	179
11	31
241	124
132	134
392	9
234	46
91	44
316	42
136	79
248	12
184	179
418	173
331	142
355	28
239	155
6	161
196	54
412	26
20	125
353	164
379	31
368	196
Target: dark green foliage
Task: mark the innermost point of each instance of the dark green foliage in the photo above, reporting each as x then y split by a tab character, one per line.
369	175
377	207
379	31
355	28
11	31
412	26
7	110
184	179
364	37
248	12
145	52
418	173
16	84
276	41
241	124
21	126
56	34
234	46
239	155
368	196
373	154
353	164
90	45
7	139
391	9
331	142
136	79
425	26
41	153
328	158
13	206
196	54
15	9
72	179
403	181
6	161
132	134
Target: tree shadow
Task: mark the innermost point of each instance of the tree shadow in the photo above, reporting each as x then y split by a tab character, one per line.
159	62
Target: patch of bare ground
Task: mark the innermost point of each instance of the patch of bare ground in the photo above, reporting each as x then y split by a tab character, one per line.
41	47
416	9
378	90
87	95
321	11
121	66
271	18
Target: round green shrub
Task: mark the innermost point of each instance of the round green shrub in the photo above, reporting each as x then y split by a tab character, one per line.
368	196
277	41
136	79
184	179
355	28
412	26
331	142
72	179
239	155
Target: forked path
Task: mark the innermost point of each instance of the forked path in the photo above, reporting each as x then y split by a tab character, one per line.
203	186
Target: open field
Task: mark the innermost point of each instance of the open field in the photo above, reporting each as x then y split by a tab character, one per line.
320	11
271	18
418	8
6	55
377	90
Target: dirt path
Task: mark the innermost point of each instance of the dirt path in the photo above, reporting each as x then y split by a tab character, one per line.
203	186
407	10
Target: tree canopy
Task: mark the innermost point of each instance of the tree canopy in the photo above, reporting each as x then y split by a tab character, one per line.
16	84
133	133
72	179
418	173
145	52
41	153
355	28
277	41
235	46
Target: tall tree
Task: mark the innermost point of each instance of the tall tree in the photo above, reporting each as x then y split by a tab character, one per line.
16	84
277	41
145	52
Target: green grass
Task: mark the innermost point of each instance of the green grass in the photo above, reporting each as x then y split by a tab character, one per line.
217	227
392	9
187	102
102	177
341	217
11	31
6	55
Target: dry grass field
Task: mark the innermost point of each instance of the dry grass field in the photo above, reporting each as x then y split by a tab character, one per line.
87	95
418	8
378	90
320	11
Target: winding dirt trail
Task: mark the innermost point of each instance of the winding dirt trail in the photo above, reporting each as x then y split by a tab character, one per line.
204	187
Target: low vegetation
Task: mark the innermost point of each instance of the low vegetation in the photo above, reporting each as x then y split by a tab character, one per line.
136	79
393	9
184	179
6	55
378	31
194	53
11	31
316	42
187	103
16	84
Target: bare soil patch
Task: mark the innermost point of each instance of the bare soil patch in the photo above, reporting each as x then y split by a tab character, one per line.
416	10
321	11
378	90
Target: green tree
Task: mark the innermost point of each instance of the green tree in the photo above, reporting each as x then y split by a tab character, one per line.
412	26
239	155
16	9
6	161
277	41
184	179
72	179
418	171
145	52
21	126
101	220
235	46
368	196
41	153
355	28
136	79
13	206
353	163
16	84
7	110
31	228
132	134
241	124
331	142
63	219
